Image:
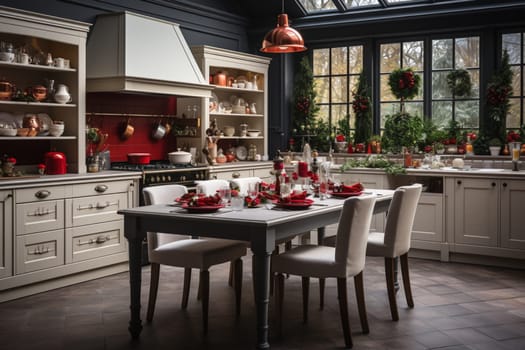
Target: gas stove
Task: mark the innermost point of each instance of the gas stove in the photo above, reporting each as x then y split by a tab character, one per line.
164	173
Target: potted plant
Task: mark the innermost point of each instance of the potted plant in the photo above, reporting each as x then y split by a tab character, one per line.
401	130
495	146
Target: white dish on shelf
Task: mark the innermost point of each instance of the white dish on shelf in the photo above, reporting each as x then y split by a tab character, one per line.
7	132
253	133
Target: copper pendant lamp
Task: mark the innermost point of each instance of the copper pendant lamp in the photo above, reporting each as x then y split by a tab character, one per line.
283	38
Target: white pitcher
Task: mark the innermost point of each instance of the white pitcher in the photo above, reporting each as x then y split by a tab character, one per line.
62	95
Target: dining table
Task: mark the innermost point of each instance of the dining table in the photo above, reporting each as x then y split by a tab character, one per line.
262	227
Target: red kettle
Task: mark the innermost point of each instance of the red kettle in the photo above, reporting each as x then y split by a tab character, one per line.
55	163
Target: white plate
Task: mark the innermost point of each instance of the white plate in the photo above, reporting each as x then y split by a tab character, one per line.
241	153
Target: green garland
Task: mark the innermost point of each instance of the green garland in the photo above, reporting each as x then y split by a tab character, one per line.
404	83
459	82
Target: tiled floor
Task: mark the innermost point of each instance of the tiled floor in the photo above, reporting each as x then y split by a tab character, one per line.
458	307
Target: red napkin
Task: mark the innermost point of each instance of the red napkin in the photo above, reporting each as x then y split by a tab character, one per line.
357	187
205	201
299	196
187	197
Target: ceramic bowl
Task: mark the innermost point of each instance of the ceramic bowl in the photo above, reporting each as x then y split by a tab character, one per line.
8	132
56	130
253	133
228	130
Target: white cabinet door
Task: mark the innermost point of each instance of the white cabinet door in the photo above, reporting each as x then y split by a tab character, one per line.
6	233
476	210
512	214
428	223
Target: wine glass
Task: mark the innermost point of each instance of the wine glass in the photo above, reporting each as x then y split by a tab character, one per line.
253	190
225	193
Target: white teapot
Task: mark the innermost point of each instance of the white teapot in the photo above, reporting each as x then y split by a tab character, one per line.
62	95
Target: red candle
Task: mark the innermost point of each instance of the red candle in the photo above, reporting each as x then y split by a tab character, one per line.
302	169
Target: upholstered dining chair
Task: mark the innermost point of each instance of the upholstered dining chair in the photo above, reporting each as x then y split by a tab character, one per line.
241	184
210	187
183	251
346	259
395	241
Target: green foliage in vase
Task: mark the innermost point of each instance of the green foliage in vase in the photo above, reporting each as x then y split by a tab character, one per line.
481	145
401	130
362	110
498	92
343	127
454	131
375	162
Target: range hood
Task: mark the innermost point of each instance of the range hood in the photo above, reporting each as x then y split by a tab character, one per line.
128	52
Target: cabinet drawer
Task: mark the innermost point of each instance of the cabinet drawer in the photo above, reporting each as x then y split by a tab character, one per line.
93	241
39	251
101	188
39	216
264	174
227	175
95	209
40	194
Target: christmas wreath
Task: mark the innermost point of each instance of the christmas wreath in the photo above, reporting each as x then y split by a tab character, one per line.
459	82
404	83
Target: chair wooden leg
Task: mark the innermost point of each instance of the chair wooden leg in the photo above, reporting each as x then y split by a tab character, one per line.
321	293
275	252
361	306
288	245
279	297
238	285
205	283
306	292
389	274
343	309
406	279
199	291
153	288
186	288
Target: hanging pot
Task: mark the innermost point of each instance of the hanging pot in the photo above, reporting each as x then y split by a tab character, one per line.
126	130
159	131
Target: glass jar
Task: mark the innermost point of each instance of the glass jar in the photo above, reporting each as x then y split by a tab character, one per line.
244	130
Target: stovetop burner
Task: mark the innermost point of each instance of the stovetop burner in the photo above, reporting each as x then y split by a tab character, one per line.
154	165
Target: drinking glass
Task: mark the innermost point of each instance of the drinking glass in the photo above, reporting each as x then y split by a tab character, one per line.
237	202
225	193
253	190
286	191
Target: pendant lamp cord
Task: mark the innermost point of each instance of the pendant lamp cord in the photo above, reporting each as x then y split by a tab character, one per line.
282	6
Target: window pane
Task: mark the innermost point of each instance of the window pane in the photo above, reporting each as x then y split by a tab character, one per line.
321	60
467	52
356	59
317	5
467	114
358	3
513	117
339	60
516	80
324	113
385	91
441	113
338	112
339	89
512	43
387	109
413	55
390	57
420	94
414	108
474	79
322	89
442	53
440	88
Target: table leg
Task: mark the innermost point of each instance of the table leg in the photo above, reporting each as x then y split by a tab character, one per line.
262	296
135	275
320	235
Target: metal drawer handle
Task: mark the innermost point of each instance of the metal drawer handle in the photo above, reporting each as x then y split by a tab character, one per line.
236	175
97	206
101	188
40	250
98	240
41	212
42	194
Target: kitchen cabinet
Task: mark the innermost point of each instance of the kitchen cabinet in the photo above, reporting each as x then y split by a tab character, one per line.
41	35
6	233
63	229
243	169
486	216
231	105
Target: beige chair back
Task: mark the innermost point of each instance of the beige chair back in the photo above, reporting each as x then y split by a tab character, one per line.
400	220
164	194
241	184
352	233
210	187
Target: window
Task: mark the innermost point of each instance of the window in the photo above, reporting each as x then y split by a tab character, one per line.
514	43
392	56
318	5
336	72
449	55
